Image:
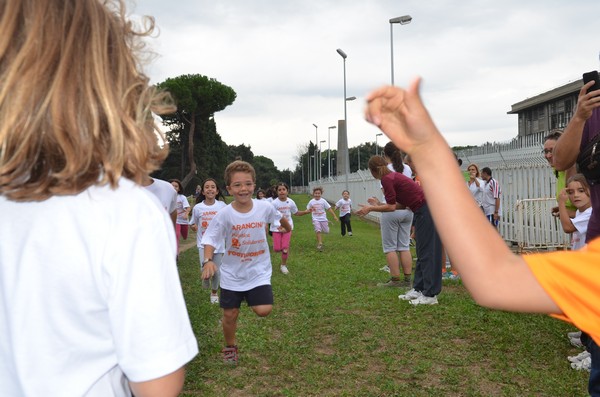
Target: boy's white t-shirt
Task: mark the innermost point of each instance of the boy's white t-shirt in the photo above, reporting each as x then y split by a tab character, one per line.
580	222
287	208
182	204
90	294
202	215
247	260
318	209
344	205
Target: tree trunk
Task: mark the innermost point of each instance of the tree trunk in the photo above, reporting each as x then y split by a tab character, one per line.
192	171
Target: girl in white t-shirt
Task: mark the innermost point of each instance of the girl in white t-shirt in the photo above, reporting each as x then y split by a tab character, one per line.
281	239
183	209
345	206
318	208
578	191
204	211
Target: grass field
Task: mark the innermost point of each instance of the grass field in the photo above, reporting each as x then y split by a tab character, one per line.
333	332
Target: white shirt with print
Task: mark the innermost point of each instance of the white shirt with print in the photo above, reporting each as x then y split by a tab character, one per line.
202	214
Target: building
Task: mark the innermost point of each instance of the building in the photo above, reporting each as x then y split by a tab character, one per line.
547	111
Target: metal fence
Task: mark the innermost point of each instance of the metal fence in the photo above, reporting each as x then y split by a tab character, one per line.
528	188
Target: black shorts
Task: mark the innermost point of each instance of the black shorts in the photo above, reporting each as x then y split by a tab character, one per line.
261	295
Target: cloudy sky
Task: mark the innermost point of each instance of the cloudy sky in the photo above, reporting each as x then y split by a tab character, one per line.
477	58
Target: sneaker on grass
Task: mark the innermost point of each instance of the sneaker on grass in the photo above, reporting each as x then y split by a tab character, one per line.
393	283
320	247
230	355
214	298
575	359
410	295
576	334
284	269
424	300
385	268
576	342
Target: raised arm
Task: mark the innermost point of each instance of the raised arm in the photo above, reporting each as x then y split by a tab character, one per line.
564	154
493	275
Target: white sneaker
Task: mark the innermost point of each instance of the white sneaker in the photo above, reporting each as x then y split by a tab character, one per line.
576	334
410	295
349	233
579	357
583	365
386	268
284	269
424	300
214	298
576	342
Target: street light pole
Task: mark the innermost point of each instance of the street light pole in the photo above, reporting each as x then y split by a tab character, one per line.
316	143
320	158
347	159
403	20
329	150
376	146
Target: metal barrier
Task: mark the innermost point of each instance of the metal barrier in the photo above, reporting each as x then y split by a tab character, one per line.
536	228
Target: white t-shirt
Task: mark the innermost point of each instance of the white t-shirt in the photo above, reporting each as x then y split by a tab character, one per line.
89	294
491	191
319	207
287	208
247	260
345	206
166	193
202	214
580	222
182	204
477	192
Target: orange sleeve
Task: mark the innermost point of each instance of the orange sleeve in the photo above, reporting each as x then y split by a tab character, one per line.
572	280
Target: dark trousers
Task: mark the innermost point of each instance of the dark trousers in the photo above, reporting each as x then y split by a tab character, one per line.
594	350
428	271
345	223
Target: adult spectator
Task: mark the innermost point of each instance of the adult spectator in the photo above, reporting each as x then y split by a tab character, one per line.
582	129
561	176
491	197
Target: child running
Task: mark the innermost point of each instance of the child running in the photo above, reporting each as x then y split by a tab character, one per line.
202	214
345	206
246	267
183	210
578	193
317	207
564	284
281	239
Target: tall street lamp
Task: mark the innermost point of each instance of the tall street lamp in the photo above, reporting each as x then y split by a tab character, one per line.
316	143
313	165
345	132
403	20
376	146
321	159
329	150
308	157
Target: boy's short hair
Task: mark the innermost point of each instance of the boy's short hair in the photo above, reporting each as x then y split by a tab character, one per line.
239	166
319	188
345	191
486	170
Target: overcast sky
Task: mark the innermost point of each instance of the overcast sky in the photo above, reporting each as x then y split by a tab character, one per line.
477	58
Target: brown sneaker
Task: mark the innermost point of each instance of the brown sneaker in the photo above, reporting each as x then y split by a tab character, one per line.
393	283
230	355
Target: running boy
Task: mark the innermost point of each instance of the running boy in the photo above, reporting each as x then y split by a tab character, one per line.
246	267
317	207
345	206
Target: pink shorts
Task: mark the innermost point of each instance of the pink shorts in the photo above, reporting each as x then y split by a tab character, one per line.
321	226
281	241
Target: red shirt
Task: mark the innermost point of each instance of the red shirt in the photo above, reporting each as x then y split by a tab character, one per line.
399	188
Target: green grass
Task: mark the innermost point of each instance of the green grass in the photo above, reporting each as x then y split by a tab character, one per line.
332	332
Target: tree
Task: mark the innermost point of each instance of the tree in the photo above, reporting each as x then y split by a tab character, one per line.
198	98
266	173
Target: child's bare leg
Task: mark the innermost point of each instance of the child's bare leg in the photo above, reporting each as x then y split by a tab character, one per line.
393	263
262	310
230	317
319	238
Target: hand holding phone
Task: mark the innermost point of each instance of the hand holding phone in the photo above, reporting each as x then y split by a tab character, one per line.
592	76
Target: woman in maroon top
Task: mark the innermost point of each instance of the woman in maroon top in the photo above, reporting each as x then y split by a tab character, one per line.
402	192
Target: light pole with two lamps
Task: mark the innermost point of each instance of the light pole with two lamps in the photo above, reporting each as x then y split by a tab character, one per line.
316	143
346	154
403	20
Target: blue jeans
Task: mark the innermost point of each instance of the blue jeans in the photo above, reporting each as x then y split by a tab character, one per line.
594	350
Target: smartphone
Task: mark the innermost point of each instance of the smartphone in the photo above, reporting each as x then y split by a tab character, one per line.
589	76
